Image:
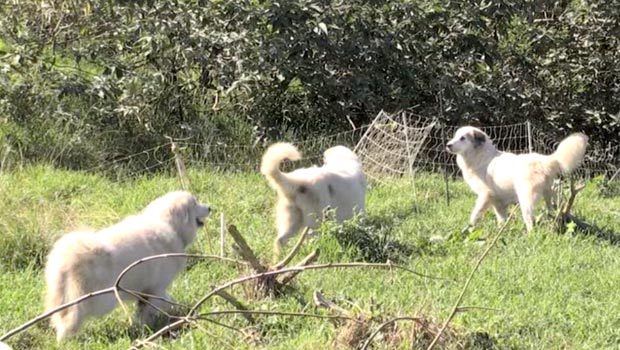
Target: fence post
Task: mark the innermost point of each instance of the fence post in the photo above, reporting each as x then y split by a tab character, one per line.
222	234
407	143
529	136
444	141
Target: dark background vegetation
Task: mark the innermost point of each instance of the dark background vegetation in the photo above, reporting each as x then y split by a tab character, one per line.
85	82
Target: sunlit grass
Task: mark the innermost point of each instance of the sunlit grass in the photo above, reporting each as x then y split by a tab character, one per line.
539	291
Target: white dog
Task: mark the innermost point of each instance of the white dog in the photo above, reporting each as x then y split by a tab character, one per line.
501	178
305	193
84	262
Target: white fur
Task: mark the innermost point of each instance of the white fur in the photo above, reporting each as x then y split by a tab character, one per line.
305	193
84	262
501	178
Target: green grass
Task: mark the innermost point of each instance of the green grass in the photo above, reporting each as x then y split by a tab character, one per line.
538	291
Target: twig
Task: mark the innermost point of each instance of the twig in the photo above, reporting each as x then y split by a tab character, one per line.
222	234
322	301
187	320
117	287
613	177
236	303
468	281
573	195
275	313
467	308
563	215
160	332
49	313
293	252
306	261
385	324
245	251
213	336
300	268
221	324
180	165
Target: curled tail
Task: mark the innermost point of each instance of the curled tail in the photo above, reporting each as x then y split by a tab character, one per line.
570	152
62	286
270	164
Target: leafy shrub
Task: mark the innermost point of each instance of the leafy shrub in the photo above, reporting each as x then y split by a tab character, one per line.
367	239
93	81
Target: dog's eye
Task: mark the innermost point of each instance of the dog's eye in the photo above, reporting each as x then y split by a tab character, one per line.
462	138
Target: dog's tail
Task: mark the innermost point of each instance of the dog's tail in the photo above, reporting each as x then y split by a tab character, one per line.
570	152
61	286
270	164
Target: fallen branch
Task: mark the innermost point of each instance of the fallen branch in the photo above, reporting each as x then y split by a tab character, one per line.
245	251
385	324
192	314
49	313
172	326
236	303
564	207
321	301
274	313
305	262
293	252
118	288
301	268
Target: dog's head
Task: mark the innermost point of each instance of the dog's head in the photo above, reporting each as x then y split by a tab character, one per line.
466	139
182	211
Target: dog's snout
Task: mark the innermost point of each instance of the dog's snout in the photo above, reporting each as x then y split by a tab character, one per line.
449	146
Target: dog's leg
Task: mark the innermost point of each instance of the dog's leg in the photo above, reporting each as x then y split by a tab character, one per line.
289	223
68	323
549	194
152	314
527	201
501	212
482	204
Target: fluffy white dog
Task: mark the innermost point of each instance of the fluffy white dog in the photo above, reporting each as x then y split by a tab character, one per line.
305	193
501	178
84	262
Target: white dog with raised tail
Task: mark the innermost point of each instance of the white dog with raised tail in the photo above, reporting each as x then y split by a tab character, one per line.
84	262
305	193
501	178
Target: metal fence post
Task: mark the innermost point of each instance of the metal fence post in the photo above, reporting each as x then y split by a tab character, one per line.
529	136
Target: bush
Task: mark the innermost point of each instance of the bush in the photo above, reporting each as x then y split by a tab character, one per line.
94	81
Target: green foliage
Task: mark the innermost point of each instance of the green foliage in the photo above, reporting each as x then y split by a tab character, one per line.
367	239
97	80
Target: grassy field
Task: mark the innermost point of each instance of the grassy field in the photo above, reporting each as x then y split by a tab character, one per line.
537	291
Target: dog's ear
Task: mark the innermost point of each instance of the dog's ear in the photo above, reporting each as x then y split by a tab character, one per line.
479	138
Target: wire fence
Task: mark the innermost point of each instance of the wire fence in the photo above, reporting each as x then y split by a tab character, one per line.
393	145
420	143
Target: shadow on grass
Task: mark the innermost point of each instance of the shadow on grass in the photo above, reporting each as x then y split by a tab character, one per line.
580	226
370	238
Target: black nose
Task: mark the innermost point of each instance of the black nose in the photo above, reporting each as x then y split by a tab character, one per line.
449	146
